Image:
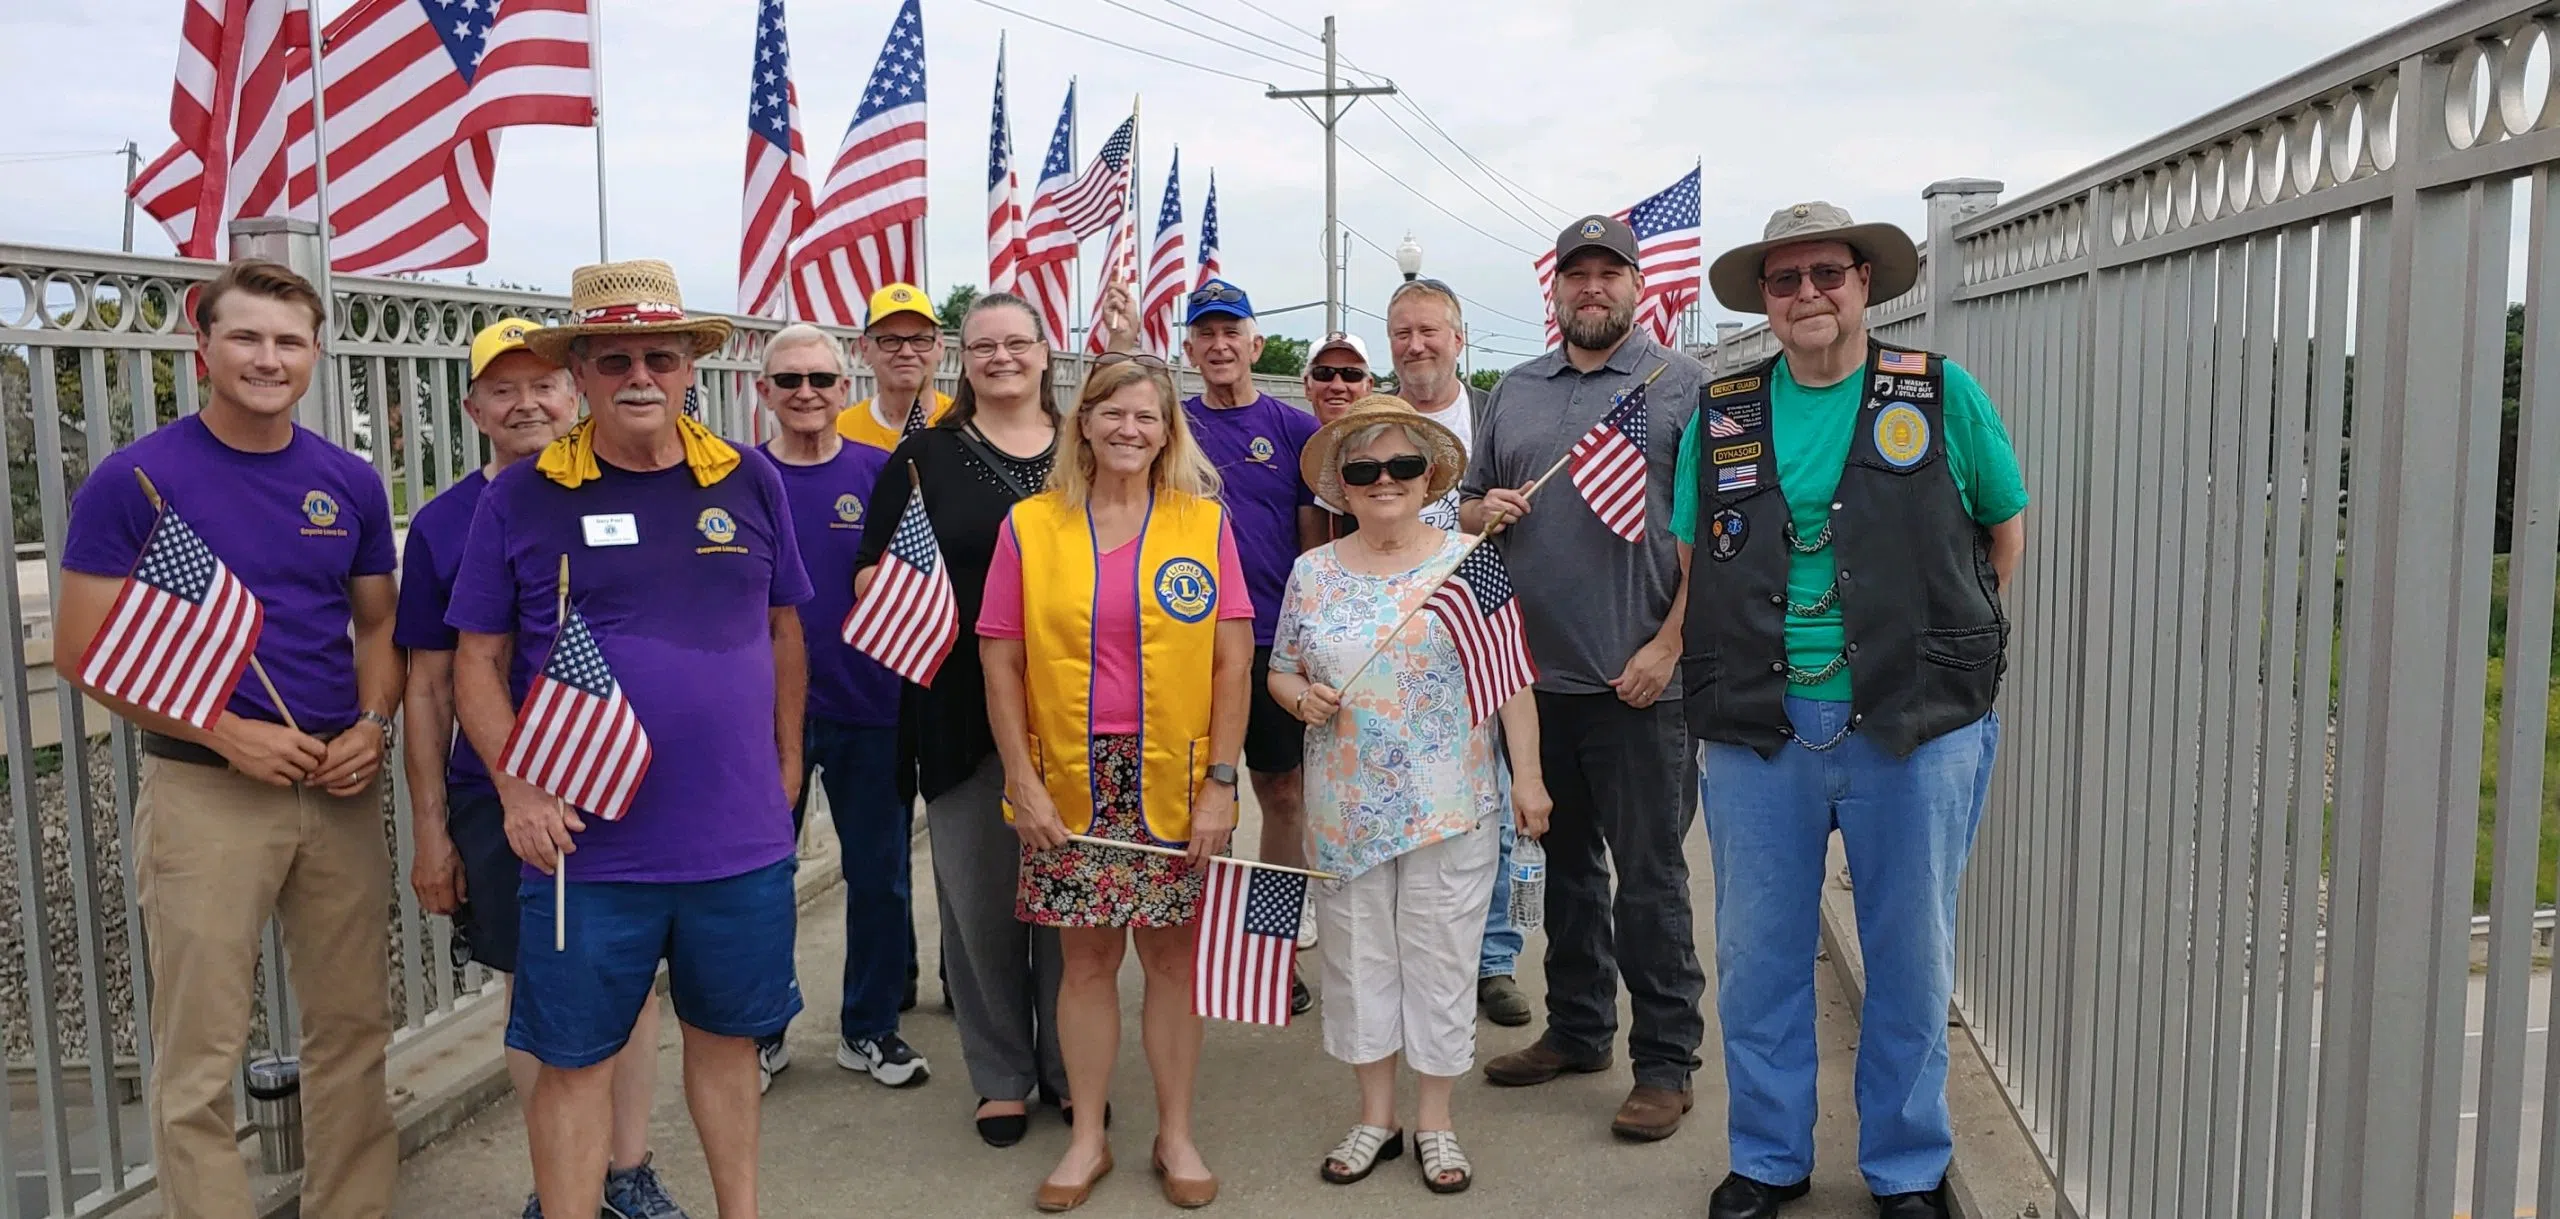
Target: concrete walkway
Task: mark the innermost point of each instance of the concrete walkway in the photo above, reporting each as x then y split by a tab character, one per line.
1271	1104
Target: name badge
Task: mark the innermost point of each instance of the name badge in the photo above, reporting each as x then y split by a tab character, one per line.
611	529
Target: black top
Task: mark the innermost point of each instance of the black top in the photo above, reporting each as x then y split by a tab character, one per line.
942	731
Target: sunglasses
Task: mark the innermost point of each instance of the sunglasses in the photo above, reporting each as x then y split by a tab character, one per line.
1403	468
618	363
1219	294
1142	359
816	380
895	343
1334	372
1826	277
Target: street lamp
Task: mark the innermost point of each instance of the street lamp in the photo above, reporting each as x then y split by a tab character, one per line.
1409	258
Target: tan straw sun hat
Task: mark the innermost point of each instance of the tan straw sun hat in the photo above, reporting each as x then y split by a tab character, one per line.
635	297
1320	462
1735	275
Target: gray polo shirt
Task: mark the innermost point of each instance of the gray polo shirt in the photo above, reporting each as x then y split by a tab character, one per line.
1588	599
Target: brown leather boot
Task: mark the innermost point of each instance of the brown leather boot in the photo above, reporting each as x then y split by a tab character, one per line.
1538	1064
1652	1114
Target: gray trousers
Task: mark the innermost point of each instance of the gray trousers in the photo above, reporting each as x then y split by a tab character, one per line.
1002	974
1620	780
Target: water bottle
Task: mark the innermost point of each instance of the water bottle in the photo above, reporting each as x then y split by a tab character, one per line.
1528	885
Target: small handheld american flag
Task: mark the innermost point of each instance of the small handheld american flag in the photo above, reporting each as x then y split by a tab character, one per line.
1248	944
909	619
1609	466
182	630
1475	604
915	416
576	737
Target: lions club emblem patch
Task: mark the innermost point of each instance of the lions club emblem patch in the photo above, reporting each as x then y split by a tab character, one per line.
1185	589
1902	435
1260	450
319	509
716	525
849	509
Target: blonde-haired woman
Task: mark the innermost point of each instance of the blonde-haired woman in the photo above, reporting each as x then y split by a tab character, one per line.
1117	636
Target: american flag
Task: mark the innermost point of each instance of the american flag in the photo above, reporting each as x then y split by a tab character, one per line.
1667	249
777	195
868	227
1164	267
1048	245
417	92
1248	943
1908	363
1119	265
1609	466
1209	233
576	737
1099	195
228	111
1004	210
181	631
1475	604
909	620
1721	425
915	415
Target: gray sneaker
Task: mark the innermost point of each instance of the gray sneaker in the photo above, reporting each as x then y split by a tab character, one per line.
634	1193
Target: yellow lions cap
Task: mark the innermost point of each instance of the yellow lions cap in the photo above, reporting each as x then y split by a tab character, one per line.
901	298
497	339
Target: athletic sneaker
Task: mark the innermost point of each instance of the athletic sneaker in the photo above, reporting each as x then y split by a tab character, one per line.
886	1059
634	1193
1306	925
772	1058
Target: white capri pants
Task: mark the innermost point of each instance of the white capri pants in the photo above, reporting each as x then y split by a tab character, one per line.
1400	954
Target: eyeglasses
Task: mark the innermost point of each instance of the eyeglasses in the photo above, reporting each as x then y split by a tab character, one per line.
1140	358
1825	276
618	363
816	380
895	343
1217	294
1336	372
986	349
1404	468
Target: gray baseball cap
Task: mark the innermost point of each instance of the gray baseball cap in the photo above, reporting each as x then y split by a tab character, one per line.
1735	275
1597	232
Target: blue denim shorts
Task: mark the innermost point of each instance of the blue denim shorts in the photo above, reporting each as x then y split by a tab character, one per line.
727	944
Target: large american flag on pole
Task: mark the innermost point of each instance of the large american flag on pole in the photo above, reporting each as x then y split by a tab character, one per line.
180	633
1042	274
1248	942
1475	604
1004	208
1208	260
228	110
909	619
777	192
1165	272
1609	466
868	227
576	737
1668	248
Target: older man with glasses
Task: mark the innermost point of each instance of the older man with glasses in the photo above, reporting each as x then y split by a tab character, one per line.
902	345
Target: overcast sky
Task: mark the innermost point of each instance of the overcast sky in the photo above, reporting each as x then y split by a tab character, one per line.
1588	106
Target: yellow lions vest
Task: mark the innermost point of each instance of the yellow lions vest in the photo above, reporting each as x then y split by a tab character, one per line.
1177	647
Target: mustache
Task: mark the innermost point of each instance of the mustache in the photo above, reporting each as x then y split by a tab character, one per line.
1594	335
639	397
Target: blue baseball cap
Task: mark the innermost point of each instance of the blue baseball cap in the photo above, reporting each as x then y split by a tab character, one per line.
1215	297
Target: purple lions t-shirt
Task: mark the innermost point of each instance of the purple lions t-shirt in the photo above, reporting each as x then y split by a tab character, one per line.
429	560
681	617
827	504
1255	447
294	525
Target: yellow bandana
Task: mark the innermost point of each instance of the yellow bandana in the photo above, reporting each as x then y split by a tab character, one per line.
571	460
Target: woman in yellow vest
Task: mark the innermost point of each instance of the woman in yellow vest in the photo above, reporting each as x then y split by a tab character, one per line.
1117	635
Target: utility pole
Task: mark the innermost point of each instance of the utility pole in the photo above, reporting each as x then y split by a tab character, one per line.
1335	107
132	169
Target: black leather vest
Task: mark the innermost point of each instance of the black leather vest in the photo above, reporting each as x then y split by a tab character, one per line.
1919	602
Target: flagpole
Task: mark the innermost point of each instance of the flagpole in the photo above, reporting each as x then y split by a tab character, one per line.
595	108
560	870
1152	849
1075	256
328	296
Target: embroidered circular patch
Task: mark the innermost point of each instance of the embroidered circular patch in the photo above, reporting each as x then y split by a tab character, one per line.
1726	534
716	525
1185	589
848	508
1902	435
1260	450
319	509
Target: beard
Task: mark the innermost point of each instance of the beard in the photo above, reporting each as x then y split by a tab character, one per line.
1602	334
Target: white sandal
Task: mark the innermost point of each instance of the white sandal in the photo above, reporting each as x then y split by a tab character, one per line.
1360	1152
1437	1152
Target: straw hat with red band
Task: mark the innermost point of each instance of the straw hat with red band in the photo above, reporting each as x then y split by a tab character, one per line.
635	297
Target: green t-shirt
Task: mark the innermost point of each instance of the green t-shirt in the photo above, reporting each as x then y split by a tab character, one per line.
1812	429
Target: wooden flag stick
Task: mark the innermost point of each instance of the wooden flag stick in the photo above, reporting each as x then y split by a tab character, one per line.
1152	849
152	493
560	872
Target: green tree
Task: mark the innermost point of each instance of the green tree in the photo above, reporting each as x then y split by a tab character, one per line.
1484	378
956	304
1282	357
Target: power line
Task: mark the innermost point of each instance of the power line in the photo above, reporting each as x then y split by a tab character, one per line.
1282	22
1354	150
1471	340
1175	25
1246	32
1112	42
1496	204
1512	188
26	158
1468	301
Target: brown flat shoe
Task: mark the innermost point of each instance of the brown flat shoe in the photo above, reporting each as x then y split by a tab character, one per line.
1538	1064
1189	1193
1651	1114
1054	1198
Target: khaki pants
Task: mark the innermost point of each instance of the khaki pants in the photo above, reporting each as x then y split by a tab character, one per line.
215	853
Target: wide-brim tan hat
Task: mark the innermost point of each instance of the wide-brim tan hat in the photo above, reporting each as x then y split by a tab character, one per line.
635	297
1735	275
1319	463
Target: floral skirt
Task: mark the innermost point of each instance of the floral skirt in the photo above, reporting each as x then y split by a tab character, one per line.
1082	885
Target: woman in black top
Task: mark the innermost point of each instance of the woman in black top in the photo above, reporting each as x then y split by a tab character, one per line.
992	448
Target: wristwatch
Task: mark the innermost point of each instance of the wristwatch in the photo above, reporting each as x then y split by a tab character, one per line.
1220	772
390	731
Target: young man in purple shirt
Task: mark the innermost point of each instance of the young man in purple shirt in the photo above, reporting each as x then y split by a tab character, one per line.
275	808
1254	440
682	563
852	737
465	870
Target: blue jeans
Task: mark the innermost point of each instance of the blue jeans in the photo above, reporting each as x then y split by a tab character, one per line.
1501	953
857	766
1907	824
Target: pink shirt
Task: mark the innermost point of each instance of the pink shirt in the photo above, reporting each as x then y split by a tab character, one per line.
1115	620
